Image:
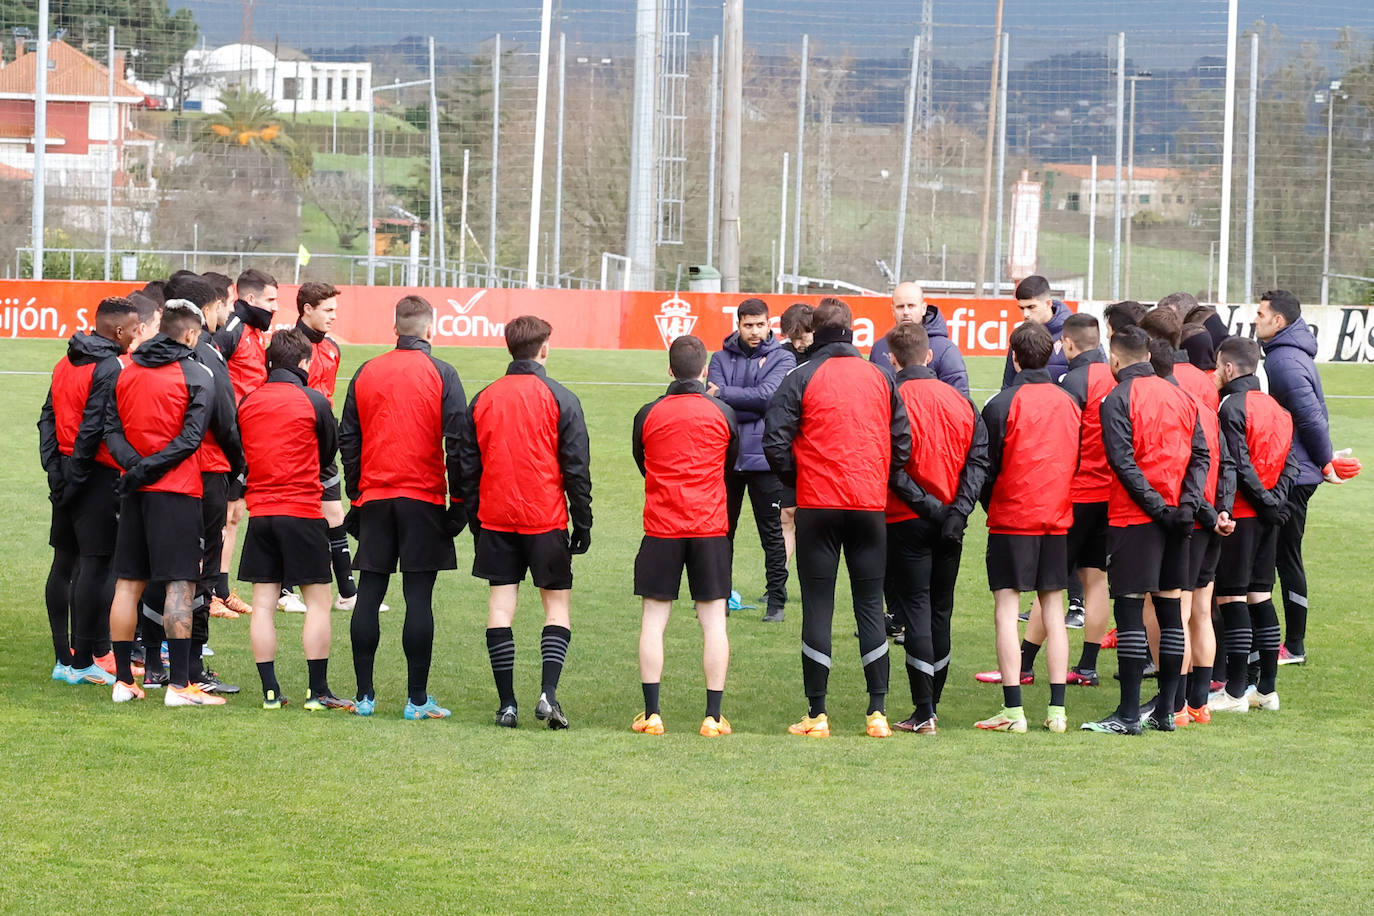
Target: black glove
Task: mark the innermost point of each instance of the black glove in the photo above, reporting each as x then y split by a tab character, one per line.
57	484
580	540
238	487
455	520
952	528
130	483
938	516
353	521
1178	519
1206	515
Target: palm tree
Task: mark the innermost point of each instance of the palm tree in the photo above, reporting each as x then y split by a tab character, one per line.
248	123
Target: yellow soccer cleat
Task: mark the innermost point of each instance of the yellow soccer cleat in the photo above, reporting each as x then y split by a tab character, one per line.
714	728
648	725
818	727
877	726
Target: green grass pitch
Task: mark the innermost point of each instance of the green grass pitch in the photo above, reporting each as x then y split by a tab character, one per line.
141	809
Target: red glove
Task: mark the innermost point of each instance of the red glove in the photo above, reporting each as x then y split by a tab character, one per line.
1342	467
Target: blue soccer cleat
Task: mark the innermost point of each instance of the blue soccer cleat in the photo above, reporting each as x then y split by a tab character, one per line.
365	706
430	710
93	674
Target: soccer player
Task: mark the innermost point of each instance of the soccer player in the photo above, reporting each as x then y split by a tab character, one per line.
1165	324
1158	455
317	304
81	487
290	439
526	471
402	421
837	430
154	424
745	373
1259	436
1039	307
683	443
1122	315
927	512
1033	429
1289	348
796	327
909	307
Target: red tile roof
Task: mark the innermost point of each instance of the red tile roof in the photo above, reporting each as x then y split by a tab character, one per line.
70	74
1104	172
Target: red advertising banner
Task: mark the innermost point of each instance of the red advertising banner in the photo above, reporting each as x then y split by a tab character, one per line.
582	319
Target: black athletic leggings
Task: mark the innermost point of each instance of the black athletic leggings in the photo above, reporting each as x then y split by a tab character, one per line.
821	535
922	570
417	633
1291	574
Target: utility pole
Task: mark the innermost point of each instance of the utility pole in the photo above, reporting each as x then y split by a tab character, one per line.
1250	170
911	93
111	151
1116	178
40	138
733	104
987	152
558	169
639	223
801	136
1228	145
541	113
1001	166
711	161
495	156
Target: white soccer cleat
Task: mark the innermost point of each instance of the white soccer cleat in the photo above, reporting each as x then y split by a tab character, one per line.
1221	701
1269	701
291	603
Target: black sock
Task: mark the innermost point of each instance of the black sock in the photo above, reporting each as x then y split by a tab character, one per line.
1132	651
1181	694
815	706
501	652
319	675
222	585
925	711
1168	611
197	669
713	704
124	670
1056	694
417	632
1088	660
267	673
343	562
877	702
365	631
179	660
1237	617
1028	652
1011	696
650	697
1267	641
1199	685
553	646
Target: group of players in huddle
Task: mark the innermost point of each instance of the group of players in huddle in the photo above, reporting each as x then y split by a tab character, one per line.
176	413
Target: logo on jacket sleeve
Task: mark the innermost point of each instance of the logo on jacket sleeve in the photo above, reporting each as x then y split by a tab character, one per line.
674	320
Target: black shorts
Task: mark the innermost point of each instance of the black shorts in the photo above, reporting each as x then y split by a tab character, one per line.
1248	558
1145	559
160	538
1087	544
503	557
408	532
286	550
86	527
1028	562
1204	549
788	500
659	564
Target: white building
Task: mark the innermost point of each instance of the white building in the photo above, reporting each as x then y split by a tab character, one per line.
293	82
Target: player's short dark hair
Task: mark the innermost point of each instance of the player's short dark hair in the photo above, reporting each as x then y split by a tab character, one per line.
254	281
156	290
192	288
1131	342
1033	287
414	315
909	344
312	294
1198	314
181	274
1163	324
1283	303
220	282
1180	302
1242	351
115	307
1032	345
797	319
145	305
750	307
1161	357
287	349
1121	315
525	335
1083	329
178	316
832	313
686	358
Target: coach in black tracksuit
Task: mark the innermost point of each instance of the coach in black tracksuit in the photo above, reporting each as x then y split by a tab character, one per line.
837	427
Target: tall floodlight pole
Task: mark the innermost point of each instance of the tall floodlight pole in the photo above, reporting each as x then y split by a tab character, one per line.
801	137
711	161
1001	166
1228	145
1326	220
111	152
1250	170
782	229
40	138
1116	183
495	155
987	152
639	222
1130	187
911	88
732	102
371	185
1092	228
558	167
463	224
541	114
433	164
